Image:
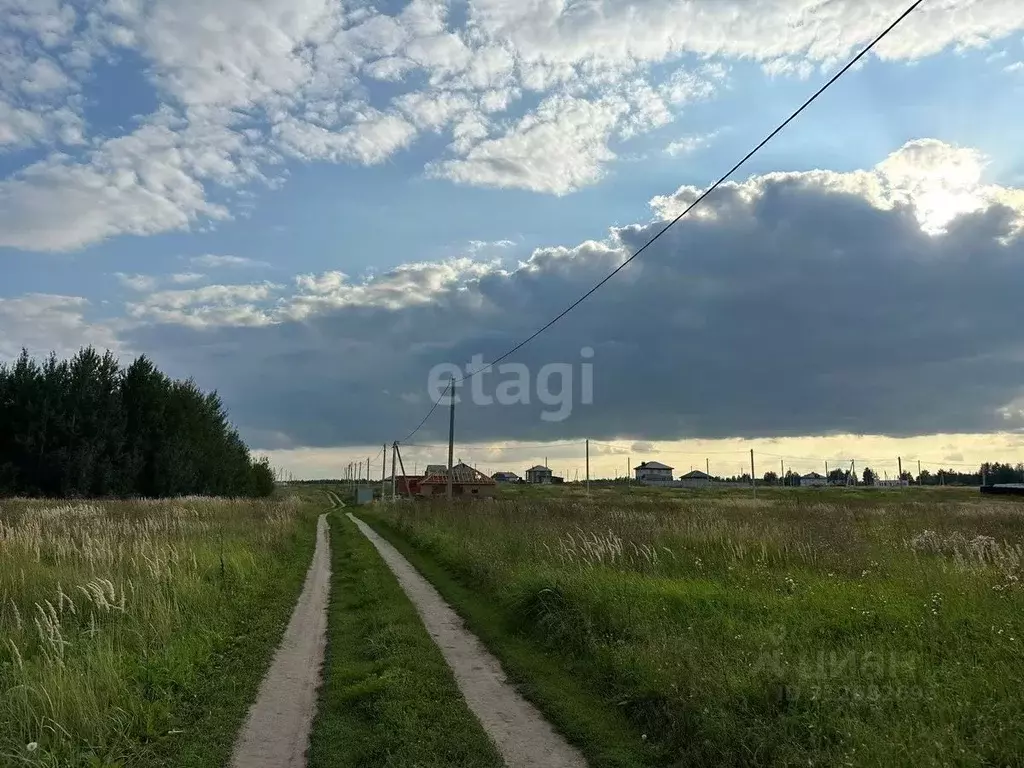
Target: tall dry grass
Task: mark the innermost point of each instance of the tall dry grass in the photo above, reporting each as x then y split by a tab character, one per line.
109	610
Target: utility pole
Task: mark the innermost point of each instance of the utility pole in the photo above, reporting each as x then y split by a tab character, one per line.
451	433
627	470
853	470
401	467
707	467
394	480
826	470
588	466
899	464
753	482
383	468
919	472
782	470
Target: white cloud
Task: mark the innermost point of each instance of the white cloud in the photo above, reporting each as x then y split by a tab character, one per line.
46	322
476	246
149	181
404	286
209	305
231	53
184	278
214	261
557	149
369	141
432	111
43	76
938	181
688	144
686	85
618	32
137	282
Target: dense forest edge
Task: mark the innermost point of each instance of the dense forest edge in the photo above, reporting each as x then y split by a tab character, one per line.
86	427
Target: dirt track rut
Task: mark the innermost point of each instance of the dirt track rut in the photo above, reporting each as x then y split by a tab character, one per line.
522	735
276	731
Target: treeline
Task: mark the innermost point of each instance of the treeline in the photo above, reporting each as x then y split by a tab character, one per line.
85	427
989	473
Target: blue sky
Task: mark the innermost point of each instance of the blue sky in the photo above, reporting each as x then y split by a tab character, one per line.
172	168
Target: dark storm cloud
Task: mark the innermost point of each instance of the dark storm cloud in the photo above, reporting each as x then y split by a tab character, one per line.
797	310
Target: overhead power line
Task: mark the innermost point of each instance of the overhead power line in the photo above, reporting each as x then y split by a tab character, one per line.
429	413
700	198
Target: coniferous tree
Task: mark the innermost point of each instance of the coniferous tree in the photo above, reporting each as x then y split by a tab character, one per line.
85	427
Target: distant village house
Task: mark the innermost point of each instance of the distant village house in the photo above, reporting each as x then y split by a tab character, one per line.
538	474
813	479
695	479
506	477
653	472
466	481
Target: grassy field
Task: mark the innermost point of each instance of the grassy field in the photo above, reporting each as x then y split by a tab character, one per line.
388	698
136	633
806	627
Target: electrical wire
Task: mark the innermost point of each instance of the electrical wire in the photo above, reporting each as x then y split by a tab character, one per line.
722	179
430	412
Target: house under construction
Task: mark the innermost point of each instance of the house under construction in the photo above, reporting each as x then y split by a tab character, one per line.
466	481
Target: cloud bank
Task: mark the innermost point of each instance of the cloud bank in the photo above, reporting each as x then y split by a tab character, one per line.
883	301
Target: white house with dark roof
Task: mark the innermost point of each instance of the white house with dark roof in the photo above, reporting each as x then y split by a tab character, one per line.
813	479
653	472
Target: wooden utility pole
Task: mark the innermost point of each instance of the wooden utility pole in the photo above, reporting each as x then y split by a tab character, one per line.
753	482
919	472
401	466
394	479
707	467
782	470
588	466
627	471
383	467
451	434
899	463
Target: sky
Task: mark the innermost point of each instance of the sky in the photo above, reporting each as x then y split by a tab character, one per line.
310	205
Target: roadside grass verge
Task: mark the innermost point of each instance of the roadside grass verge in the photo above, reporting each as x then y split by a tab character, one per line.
135	633
559	685
801	629
387	698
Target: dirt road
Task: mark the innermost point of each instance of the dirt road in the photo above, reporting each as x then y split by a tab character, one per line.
276	731
522	735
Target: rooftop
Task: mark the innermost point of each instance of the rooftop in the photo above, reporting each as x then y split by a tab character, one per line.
461	473
653	465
